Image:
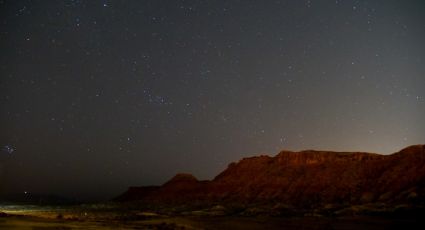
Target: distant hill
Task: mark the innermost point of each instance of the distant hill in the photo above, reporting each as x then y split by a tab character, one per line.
35	199
302	179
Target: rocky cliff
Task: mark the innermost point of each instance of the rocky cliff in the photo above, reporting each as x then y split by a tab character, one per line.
303	179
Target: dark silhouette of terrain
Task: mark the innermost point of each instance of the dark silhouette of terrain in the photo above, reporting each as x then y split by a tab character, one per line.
36	199
305	179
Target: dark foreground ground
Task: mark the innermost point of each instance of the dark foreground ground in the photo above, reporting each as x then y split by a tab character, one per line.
84	217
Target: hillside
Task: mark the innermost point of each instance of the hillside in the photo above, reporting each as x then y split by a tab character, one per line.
302	179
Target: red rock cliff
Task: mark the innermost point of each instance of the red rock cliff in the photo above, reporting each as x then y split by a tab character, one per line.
304	179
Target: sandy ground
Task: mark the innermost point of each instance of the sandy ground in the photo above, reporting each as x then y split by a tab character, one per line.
50	218
34	223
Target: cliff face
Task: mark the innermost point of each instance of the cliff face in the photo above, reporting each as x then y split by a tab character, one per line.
304	179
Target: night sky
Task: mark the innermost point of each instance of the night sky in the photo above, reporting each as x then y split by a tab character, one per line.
96	96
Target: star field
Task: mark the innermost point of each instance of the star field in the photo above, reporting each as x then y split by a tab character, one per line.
101	95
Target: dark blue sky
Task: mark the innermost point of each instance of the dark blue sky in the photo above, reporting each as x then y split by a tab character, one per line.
96	96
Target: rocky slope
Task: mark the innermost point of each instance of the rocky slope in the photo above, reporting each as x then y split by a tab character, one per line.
303	179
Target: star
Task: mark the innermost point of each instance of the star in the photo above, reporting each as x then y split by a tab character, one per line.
8	149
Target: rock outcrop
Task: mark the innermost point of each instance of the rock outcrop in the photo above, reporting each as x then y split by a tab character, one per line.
303	179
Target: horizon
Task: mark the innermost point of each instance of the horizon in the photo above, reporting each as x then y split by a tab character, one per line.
93	198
